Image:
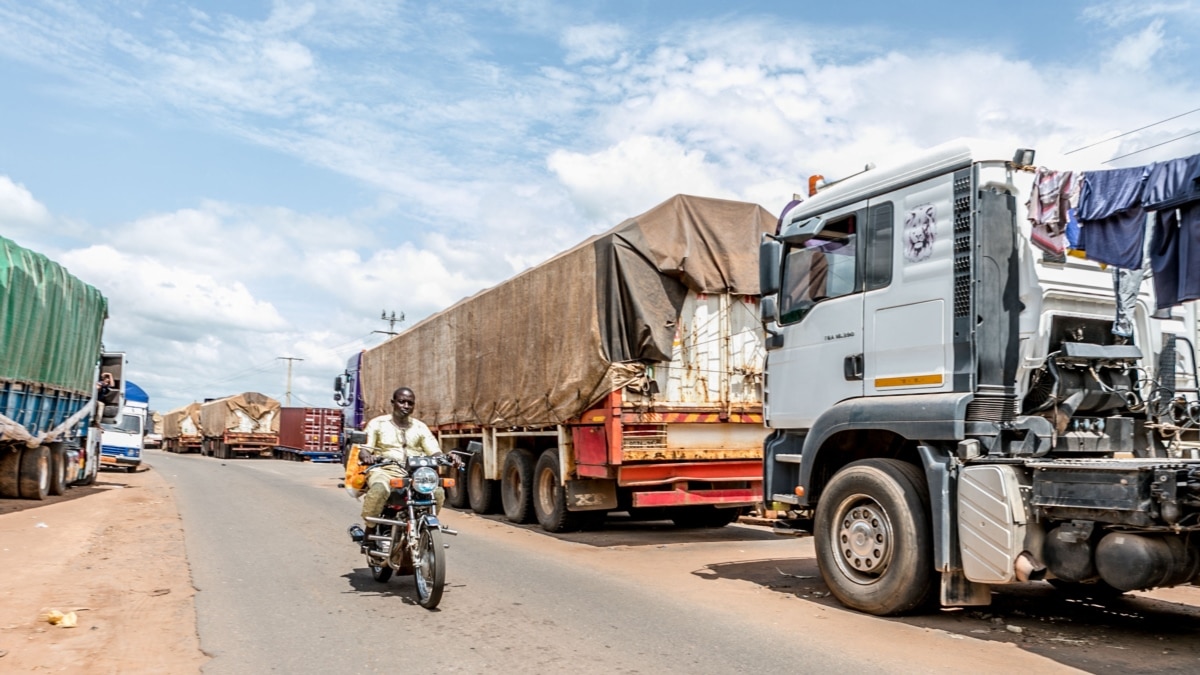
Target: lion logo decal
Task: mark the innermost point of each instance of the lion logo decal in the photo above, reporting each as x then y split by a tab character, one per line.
920	231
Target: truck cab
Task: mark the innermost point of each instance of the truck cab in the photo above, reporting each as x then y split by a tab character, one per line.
975	420
123	438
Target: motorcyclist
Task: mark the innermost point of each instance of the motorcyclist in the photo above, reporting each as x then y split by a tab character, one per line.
394	437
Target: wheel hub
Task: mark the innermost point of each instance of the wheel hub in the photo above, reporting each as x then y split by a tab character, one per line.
864	540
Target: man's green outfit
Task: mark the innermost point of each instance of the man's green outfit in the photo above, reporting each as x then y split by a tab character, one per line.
388	440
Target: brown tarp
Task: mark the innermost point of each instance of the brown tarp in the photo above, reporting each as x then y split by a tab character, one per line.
172	420
545	345
220	415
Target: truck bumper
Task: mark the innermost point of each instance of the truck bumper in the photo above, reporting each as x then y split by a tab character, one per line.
716	483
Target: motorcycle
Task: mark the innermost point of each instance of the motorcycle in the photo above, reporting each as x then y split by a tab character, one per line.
407	537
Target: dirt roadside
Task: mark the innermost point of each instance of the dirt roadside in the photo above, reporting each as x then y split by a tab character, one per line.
113	553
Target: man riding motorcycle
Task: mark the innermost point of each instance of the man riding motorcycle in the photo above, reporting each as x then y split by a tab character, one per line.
394	437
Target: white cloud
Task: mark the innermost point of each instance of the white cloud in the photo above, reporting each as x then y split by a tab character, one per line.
632	175
1136	52
155	292
18	207
594	42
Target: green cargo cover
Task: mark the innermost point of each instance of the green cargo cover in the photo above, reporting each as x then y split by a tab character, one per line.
543	346
50	322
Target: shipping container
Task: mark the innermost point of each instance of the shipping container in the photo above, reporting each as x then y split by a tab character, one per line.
311	434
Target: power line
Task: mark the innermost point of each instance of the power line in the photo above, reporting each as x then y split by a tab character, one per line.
1150	147
1113	138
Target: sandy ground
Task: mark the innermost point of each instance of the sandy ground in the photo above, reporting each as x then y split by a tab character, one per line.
112	553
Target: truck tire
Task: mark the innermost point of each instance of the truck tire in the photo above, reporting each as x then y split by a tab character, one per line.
10	472
58	469
457	496
35	473
873	537
483	494
549	495
703	516
516	486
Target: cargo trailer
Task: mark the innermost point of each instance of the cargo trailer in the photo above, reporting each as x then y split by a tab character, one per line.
624	374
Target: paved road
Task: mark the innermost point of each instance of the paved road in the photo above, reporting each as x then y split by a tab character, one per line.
281	588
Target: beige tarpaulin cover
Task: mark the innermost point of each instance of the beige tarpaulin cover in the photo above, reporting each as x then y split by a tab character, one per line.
249	412
543	346
174	425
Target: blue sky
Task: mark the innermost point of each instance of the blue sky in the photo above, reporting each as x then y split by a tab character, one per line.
249	180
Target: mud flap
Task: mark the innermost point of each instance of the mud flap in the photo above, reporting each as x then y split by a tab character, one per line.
958	591
591	495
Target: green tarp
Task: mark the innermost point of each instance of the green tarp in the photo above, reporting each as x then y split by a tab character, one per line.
50	322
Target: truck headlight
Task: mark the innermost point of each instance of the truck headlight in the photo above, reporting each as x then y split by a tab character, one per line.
425	480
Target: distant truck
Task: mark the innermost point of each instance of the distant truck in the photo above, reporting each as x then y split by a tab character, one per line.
310	434
154	430
181	429
122	441
621	375
240	425
51	360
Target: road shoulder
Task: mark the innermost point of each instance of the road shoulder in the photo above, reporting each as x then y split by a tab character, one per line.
117	559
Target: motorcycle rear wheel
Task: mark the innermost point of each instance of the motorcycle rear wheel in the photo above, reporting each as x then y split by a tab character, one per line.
429	567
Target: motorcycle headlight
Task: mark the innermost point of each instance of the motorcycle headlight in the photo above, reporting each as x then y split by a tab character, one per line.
425	480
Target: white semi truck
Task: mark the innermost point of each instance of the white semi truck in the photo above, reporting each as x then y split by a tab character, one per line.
976	421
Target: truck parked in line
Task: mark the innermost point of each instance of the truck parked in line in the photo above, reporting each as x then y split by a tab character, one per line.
154	430
121	441
51	359
181	429
951	410
310	434
620	375
240	425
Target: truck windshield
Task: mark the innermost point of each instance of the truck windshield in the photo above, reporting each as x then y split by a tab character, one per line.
820	269
130	424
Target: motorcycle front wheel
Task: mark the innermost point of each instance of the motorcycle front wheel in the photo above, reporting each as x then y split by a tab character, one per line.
430	567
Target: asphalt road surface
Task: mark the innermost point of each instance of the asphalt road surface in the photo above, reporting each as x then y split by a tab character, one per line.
280	588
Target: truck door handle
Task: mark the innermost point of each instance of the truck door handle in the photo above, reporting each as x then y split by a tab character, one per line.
852	367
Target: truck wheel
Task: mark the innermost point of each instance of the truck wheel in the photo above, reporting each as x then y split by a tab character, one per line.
872	537
58	470
481	492
457	496
516	486
35	472
549	495
10	473
703	516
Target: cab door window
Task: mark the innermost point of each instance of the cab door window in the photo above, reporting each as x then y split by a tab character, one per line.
821	268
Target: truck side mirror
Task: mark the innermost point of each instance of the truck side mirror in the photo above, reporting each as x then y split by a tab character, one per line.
770	258
768	309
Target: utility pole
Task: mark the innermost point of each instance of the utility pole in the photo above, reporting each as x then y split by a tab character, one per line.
289	359
392	320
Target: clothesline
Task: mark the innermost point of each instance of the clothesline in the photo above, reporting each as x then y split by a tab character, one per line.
1105	213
